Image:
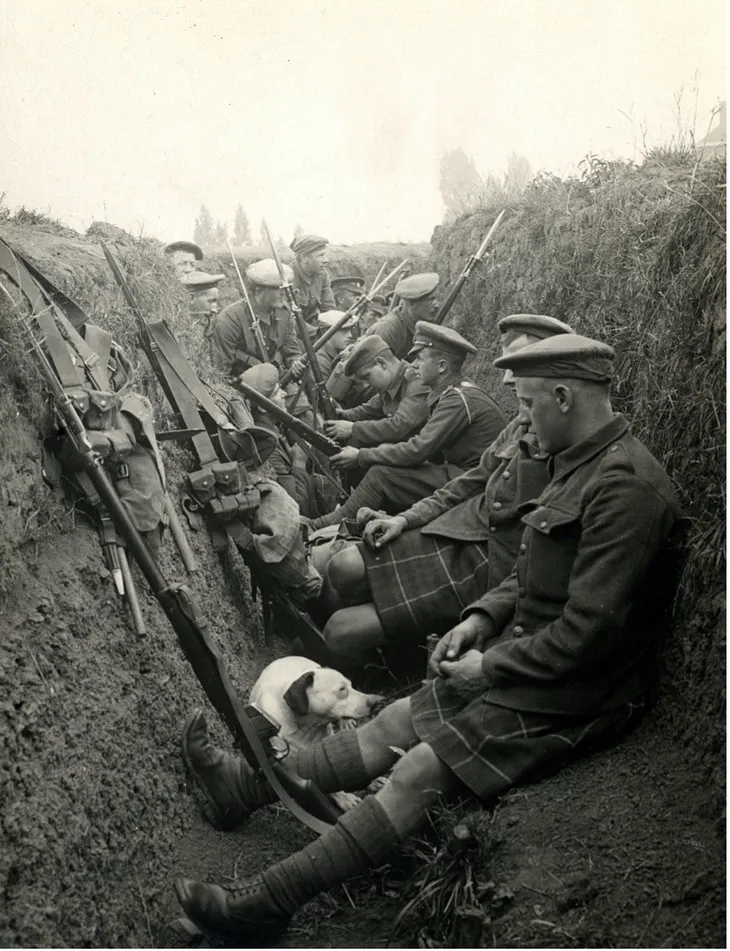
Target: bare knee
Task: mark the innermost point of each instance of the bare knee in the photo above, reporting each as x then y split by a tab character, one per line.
393	726
346	570
420	777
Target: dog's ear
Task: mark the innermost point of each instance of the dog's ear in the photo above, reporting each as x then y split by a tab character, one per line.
296	695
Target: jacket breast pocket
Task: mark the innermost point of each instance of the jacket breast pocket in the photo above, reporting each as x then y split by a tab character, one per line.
554	542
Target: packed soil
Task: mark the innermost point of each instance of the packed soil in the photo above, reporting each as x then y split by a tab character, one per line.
622	849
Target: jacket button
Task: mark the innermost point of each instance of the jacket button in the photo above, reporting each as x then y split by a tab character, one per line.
543	524
497	506
518	629
523	547
492	529
505	474
522	591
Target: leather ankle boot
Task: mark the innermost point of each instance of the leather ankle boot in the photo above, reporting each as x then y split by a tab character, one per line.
246	912
232	789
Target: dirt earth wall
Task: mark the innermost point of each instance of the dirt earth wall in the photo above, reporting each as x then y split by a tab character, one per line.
92	790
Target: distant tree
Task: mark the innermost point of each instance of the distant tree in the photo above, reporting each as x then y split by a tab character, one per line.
203	230
518	175
459	182
241	228
262	235
298	230
220	233
280	243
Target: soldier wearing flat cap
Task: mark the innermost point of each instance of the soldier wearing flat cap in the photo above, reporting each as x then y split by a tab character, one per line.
557	659
311	280
396	411
234	347
184	256
330	352
203	292
418	301
347	289
463	420
463	538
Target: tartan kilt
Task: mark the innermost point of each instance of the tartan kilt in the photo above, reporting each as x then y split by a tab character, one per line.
420	584
491	748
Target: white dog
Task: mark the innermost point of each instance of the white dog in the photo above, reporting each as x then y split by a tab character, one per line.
305	698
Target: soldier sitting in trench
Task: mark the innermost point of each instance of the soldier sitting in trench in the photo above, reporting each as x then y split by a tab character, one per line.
557	657
416	571
462	422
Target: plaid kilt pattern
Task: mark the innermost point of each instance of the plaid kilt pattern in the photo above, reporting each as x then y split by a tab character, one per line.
491	748
420	584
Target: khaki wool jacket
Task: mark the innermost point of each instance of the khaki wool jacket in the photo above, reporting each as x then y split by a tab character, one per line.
463	421
391	416
578	615
314	295
482	504
233	346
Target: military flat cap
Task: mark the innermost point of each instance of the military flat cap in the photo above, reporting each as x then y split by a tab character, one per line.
200	281
537	325
263	377
440	338
567	356
364	352
188	246
338	283
330	317
266	274
308	243
417	286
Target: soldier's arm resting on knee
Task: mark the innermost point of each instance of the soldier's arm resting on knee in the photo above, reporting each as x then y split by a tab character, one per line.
623	527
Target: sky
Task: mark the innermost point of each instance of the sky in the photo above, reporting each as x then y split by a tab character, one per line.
331	115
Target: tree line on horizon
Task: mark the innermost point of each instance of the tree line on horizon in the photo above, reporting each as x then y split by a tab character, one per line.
462	189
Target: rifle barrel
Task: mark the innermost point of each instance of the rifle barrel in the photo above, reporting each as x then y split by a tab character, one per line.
327	446
140	628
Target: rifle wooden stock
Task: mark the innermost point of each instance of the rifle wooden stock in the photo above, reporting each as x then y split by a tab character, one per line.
191	628
327	446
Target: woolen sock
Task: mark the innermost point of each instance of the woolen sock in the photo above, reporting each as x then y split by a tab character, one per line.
360	839
334	764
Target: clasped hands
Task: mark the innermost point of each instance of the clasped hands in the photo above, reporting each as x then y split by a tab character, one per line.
458	655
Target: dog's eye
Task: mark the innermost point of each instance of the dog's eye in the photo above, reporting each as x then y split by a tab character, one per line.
342	692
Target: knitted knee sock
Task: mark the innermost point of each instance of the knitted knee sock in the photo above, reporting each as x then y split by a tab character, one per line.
360	839
334	764
366	493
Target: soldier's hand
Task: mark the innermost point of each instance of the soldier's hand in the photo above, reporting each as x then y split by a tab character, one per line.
465	675
298	369
382	531
469	634
339	429
345	459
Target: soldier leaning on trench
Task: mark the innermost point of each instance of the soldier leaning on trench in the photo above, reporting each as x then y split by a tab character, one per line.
416	572
557	657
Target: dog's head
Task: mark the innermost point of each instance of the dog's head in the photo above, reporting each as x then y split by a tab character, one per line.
327	695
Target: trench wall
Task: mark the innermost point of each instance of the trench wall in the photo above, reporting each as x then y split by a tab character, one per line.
93	796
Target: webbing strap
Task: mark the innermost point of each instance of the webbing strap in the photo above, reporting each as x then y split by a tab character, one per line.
32	286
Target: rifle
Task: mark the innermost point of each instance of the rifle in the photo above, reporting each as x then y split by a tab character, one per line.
471	262
354	308
325	445
191	628
255	324
328	407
